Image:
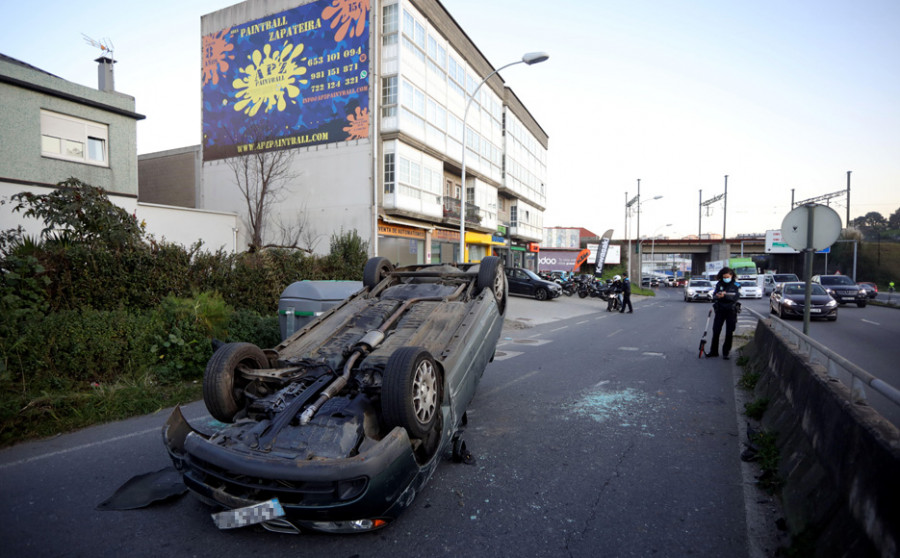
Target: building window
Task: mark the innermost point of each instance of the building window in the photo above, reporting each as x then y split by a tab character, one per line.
389	175
74	139
389	96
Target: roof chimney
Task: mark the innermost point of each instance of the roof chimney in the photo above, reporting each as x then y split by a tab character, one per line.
105	80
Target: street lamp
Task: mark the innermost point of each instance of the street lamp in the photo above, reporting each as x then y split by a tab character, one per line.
528	58
635	200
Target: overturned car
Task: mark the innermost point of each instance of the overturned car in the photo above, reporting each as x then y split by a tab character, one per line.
338	427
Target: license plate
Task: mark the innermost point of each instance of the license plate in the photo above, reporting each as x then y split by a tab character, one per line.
815	310
251	515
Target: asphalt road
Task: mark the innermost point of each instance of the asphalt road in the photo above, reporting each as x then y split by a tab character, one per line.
595	434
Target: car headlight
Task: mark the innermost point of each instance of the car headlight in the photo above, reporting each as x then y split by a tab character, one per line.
789	302
831	304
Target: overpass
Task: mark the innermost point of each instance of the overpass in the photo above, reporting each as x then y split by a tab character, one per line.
703	250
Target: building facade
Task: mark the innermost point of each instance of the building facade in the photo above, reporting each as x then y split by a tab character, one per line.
368	98
52	129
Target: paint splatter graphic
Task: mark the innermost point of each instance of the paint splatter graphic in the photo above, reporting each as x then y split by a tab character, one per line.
215	56
269	78
359	124
351	16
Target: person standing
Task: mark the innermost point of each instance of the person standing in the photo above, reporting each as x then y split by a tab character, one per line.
725	297
626	294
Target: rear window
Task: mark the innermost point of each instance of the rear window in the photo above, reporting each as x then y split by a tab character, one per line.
700	283
836	280
785	277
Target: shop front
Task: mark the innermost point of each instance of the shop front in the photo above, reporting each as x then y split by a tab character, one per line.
403	244
481	245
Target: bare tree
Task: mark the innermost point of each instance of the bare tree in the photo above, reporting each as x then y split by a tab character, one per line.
297	233
262	175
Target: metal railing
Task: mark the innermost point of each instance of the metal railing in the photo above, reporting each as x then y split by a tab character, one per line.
835	364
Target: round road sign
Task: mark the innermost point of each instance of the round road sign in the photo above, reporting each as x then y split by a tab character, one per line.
826	227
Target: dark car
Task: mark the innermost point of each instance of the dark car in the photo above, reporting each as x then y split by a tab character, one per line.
526	282
842	289
871	288
789	299
337	428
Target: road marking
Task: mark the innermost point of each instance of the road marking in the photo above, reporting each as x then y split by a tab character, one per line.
79	448
871	322
559	328
507	384
615	332
654	354
582	322
628	349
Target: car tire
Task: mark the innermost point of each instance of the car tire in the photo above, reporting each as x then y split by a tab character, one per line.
491	276
223	386
411	391
541	294
375	271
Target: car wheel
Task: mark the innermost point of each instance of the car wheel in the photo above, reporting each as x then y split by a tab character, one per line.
376	269
490	275
411	391
223	386
540	294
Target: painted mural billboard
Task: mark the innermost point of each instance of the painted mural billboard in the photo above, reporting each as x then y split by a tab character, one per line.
293	79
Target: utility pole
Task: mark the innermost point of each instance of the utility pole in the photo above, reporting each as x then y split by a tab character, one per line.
725	210
848	199
700	216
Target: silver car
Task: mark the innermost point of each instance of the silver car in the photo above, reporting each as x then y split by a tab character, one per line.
698	289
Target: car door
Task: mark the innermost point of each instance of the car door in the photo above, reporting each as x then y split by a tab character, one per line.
518	282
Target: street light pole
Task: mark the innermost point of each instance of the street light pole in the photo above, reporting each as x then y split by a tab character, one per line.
528	58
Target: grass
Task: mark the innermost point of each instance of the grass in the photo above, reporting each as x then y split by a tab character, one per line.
24	418
756	409
766	443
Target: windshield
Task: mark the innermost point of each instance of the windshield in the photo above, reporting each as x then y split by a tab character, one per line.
745	270
700	283
836	280
800	289
785	277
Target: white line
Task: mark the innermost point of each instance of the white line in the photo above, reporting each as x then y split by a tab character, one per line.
615	332
79	448
559	328
871	322
628	348
506	385
582	322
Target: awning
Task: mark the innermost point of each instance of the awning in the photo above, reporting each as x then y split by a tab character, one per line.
482	239
414	224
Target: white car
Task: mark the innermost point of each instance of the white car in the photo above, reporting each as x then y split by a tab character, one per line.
751	290
698	289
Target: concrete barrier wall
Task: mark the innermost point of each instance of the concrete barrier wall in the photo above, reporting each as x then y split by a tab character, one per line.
840	461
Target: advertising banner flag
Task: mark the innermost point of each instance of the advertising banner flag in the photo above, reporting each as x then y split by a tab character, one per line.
601	253
296	78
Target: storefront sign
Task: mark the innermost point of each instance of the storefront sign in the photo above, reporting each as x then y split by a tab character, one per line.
398	230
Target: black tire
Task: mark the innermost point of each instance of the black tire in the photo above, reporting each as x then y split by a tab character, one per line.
540	294
582	293
491	276
411	391
375	271
223	386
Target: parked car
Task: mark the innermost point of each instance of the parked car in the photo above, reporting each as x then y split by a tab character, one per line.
871	288
842	289
339	427
789	299
526	282
698	289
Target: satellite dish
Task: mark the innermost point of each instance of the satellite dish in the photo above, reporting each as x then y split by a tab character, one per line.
825	222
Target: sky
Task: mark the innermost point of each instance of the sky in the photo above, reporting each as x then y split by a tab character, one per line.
778	96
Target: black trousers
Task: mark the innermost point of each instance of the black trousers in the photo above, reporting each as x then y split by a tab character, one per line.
626	302
728	318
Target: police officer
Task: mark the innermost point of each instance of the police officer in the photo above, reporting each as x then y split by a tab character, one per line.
626	294
725	297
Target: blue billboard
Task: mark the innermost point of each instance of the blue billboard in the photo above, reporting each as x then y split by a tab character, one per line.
293	79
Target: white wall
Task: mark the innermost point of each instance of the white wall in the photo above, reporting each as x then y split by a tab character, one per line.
176	225
332	191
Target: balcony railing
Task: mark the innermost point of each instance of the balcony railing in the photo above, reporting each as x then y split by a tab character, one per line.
451	211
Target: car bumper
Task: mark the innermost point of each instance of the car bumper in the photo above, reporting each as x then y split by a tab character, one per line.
814	312
333	495
700	296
